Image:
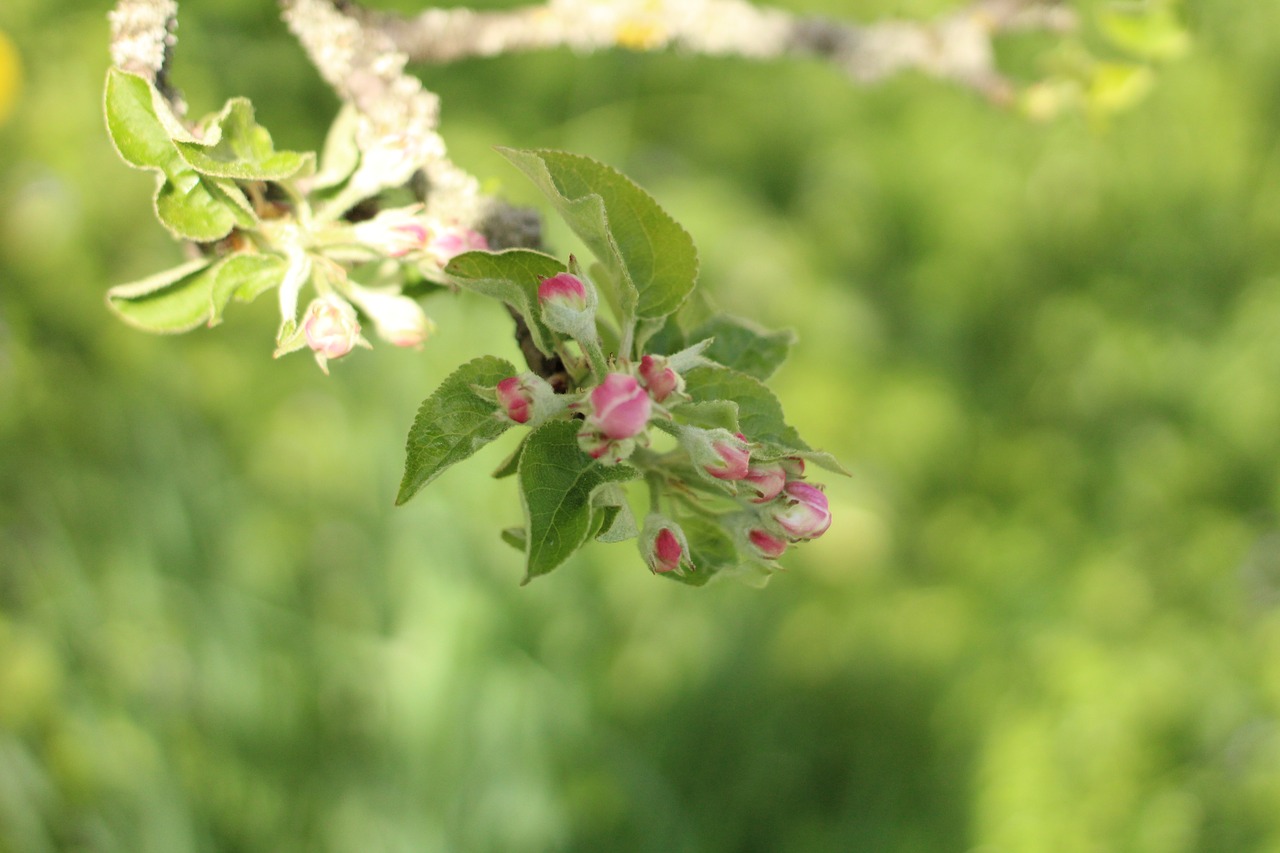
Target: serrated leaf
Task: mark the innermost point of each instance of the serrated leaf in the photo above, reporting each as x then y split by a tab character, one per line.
646	251
453	423
244	276
557	485
235	146
190	205
711	414
744	346
176	300
760	414
511	276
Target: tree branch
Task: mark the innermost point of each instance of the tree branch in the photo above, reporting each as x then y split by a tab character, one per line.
142	40
956	47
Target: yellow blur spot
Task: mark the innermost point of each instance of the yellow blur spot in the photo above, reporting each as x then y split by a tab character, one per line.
641	35
10	76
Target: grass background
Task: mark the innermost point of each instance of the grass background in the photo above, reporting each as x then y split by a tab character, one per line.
1047	617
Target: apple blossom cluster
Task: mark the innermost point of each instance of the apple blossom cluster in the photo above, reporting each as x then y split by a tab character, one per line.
765	500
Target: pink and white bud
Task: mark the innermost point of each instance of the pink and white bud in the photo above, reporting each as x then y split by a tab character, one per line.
658	377
331	328
766	544
563	290
514	400
620	408
663	545
398	319
448	241
395	232
766	479
803	512
735	458
528	399
794	466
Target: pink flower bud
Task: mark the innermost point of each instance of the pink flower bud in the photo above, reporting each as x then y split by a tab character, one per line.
735	459
794	466
803	513
395	232
767	480
766	544
515	402
565	290
331	327
667	551
620	408
662	544
448	241
659	378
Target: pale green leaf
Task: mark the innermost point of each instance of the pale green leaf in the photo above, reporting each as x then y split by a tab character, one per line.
235	146
511	276
176	300
245	276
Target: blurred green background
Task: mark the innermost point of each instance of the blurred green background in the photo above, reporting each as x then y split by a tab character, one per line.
1047	617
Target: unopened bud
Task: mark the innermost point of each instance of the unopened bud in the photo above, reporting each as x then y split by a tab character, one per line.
563	290
735	458
398	319
331	328
663	545
620	408
448	241
528	399
766	544
804	513
766	479
659	378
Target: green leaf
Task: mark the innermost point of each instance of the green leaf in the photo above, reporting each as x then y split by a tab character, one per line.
744	346
176	300
453	423
235	146
711	414
759	413
511	276
245	276
711	550
192	206
557	487
644	250
515	537
617	522
511	463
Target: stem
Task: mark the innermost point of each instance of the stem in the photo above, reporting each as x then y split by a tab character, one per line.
595	355
628	338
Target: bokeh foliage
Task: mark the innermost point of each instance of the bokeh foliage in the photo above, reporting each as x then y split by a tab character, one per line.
1047	617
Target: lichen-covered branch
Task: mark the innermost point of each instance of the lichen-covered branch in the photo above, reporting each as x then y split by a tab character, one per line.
397	131
956	47
142	39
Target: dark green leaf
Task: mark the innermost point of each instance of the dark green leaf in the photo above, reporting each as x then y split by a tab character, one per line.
646	251
557	485
511	276
453	423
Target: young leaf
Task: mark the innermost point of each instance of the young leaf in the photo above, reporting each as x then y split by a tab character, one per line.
245	276
453	423
617	522
511	464
557	486
235	146
759	413
744	346
515	537
190	205
176	300
639	243
511	276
